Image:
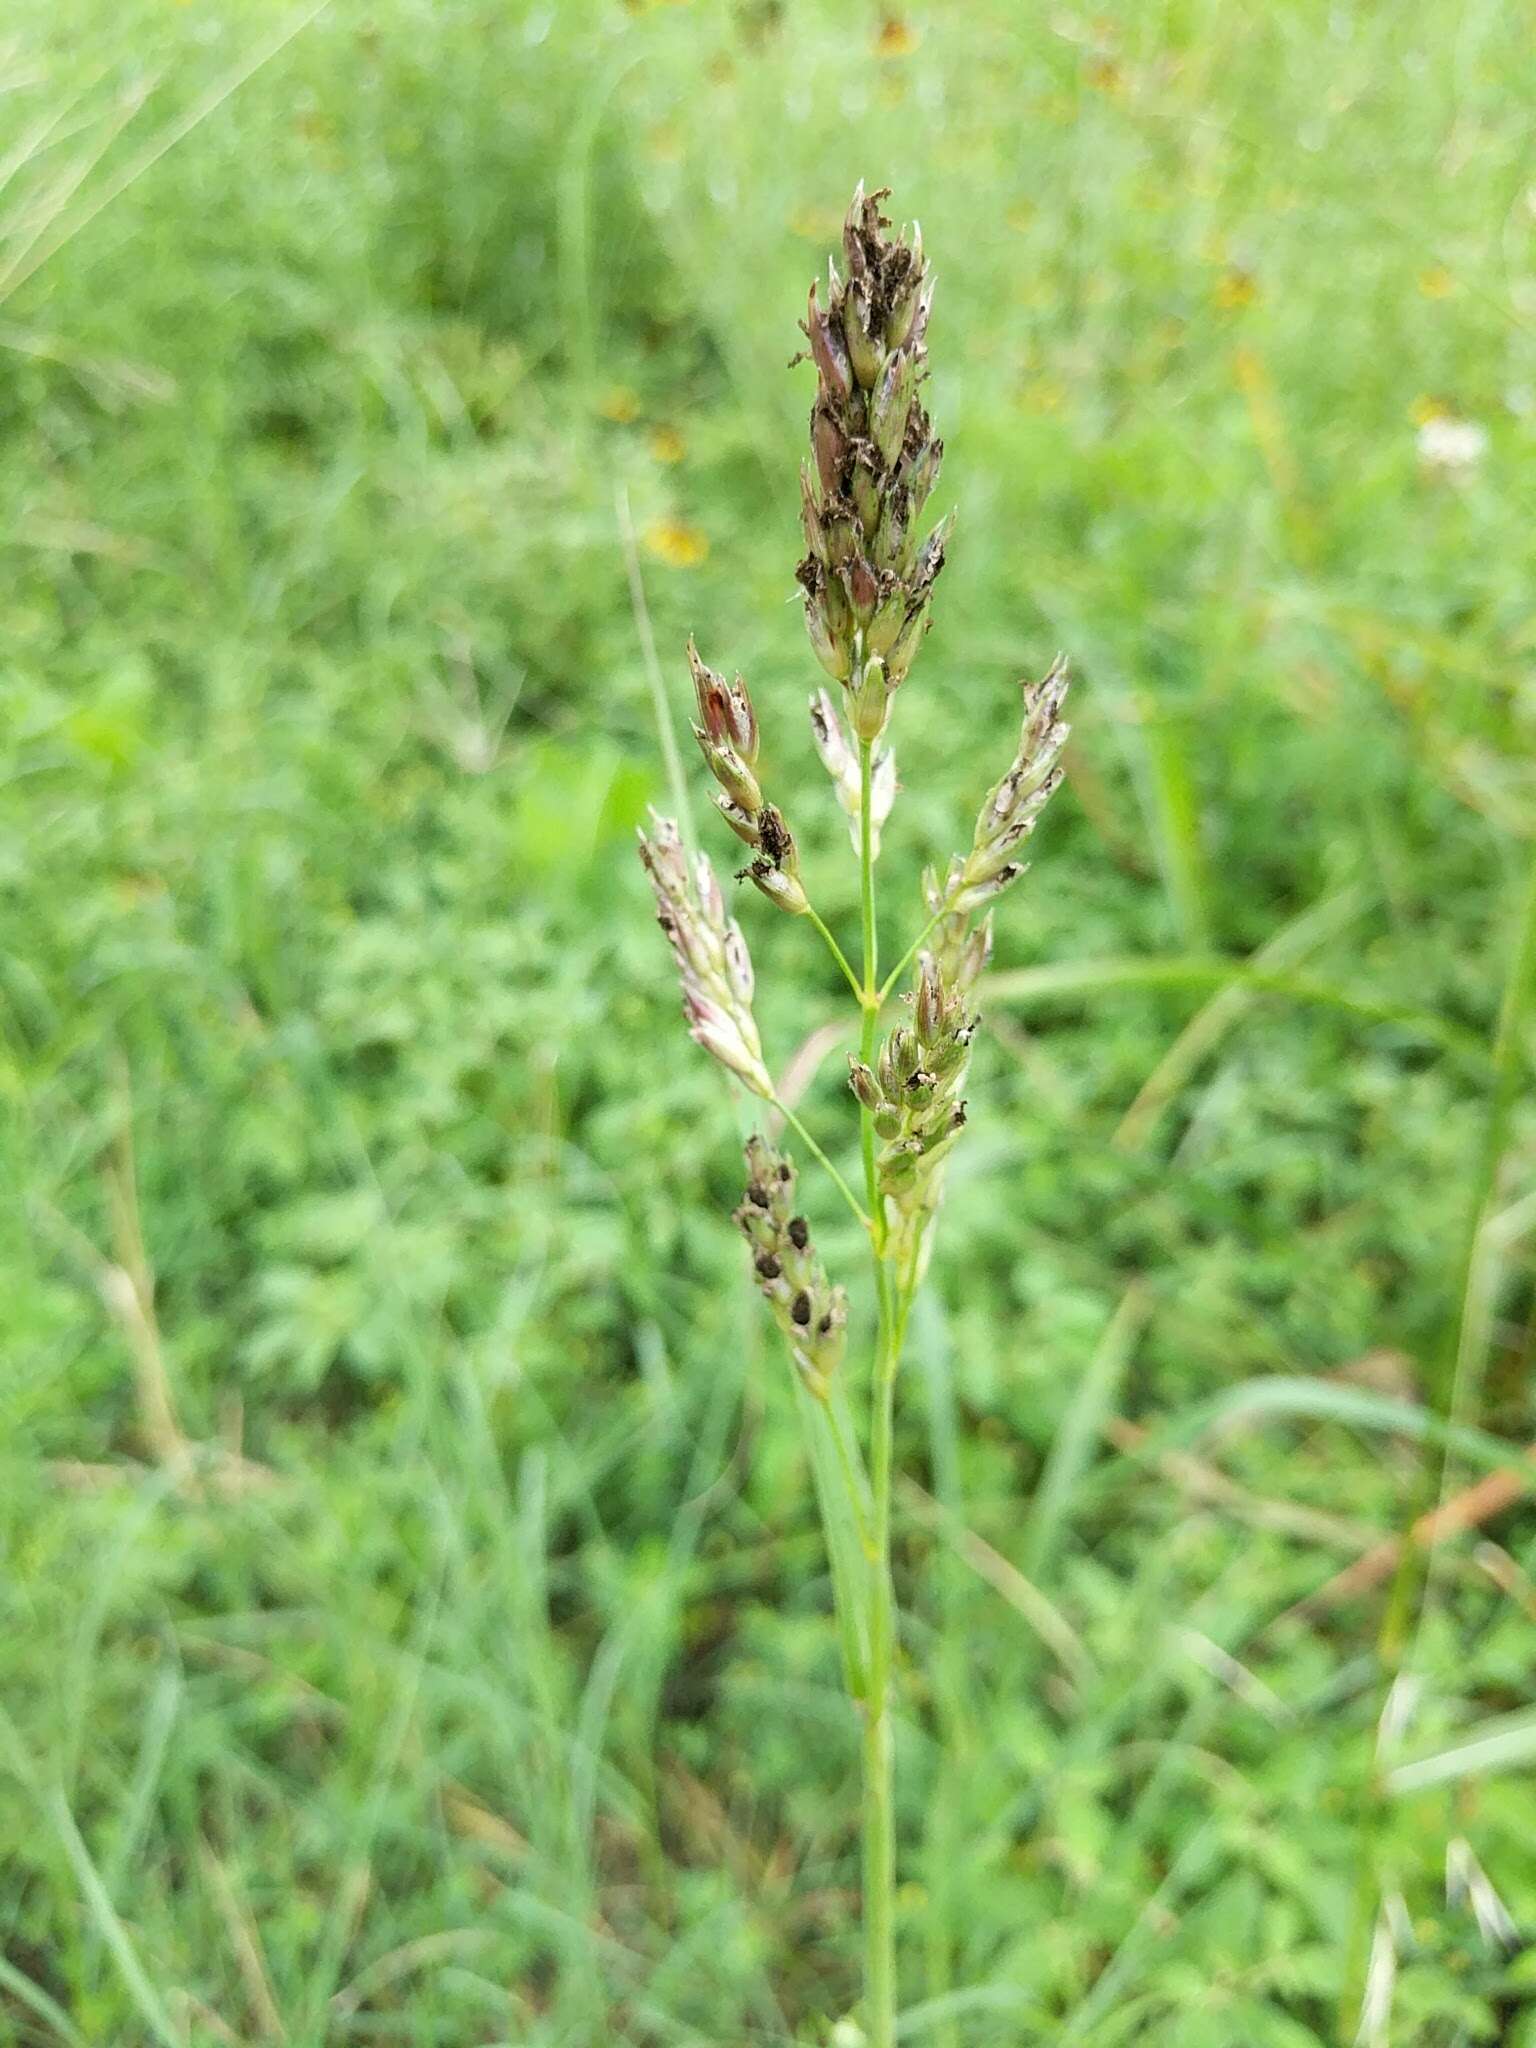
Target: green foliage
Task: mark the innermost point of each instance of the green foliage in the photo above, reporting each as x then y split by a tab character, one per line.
496	1698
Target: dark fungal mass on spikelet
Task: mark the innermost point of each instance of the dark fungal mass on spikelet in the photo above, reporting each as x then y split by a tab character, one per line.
811	1312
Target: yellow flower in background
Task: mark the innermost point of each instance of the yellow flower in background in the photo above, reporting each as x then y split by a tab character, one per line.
676	543
1235	288
667	444
897	38
1436	282
619	404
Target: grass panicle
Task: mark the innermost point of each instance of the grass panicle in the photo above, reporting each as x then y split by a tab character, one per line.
868	579
415	1594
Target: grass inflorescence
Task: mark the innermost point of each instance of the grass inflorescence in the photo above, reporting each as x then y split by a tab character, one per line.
418	1622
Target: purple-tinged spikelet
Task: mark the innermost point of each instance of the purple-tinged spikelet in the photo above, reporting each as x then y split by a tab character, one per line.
712	959
874	460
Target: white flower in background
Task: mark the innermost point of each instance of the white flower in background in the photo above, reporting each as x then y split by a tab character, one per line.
1450	447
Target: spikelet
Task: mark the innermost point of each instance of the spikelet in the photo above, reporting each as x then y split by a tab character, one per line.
712	959
1013	806
727	737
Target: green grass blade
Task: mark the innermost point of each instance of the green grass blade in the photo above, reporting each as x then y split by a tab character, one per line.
104	1915
1505	1744
1078	1436
1284	1398
1031	985
1211	1023
845	1548
28	1994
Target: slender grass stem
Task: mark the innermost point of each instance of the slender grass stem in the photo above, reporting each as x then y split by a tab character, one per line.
879	1870
666	734
890	981
879	1757
879	1760
853	1478
817	1153
867	991
837	954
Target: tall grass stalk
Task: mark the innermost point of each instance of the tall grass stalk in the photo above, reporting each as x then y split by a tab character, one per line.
868	577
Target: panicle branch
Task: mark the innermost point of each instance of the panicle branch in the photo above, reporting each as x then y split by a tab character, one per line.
1013	806
712	959
811	1312
914	1094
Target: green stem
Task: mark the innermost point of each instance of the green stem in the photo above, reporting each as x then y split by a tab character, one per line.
837	954
816	1152
677	781
879	1818
879	1871
879	1761
868	996
855	1484
906	959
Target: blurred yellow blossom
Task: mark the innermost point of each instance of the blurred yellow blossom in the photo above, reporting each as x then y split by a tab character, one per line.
897	38
667	444
1235	288
676	543
620	404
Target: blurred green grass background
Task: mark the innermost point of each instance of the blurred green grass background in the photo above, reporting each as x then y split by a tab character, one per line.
482	1688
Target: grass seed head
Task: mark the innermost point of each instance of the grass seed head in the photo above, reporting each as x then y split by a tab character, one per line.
875	458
